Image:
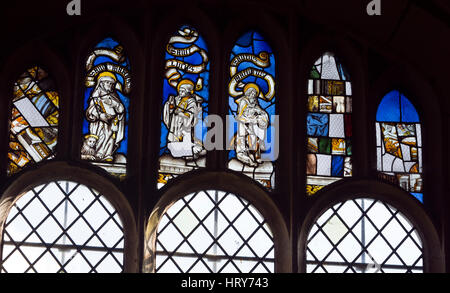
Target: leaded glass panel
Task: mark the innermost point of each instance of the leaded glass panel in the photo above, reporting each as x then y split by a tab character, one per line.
251	109
62	227
106	103
328	124
33	134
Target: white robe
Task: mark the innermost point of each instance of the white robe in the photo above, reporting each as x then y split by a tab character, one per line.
111	129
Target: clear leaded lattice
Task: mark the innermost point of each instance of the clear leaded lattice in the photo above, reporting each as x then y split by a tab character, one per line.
363	236
214	231
62	227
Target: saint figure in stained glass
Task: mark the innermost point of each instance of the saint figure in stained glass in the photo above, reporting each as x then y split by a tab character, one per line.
106	118
105	125
252	109
253	122
180	116
184	105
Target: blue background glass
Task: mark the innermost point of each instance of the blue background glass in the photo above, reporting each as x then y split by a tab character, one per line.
168	90
252	42
110	43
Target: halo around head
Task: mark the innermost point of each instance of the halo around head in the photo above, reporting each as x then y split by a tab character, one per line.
253	86
185	82
106	75
91	135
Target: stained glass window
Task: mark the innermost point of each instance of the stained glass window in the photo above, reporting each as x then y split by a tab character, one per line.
106	102
399	143
251	109
213	231
328	124
34	119
62	227
363	236
184	105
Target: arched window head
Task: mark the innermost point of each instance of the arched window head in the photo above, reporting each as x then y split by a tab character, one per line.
212	231
62	227
34	120
363	236
184	105
106	103
252	124
328	124
399	143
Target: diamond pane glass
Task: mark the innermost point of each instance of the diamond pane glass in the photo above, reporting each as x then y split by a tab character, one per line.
328	124
62	227
363	236
215	240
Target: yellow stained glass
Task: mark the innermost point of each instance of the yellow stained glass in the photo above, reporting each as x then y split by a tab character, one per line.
311	189
313	104
53	96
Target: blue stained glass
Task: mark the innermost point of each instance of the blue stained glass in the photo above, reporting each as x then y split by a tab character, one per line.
317	124
241	50
103	59
389	108
409	113
111	145
337	166
107	43
245	40
262	73
197	131
395	107
261	46
341	71
419	196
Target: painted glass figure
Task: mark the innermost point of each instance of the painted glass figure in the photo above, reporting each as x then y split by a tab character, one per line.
184	105
251	114
105	125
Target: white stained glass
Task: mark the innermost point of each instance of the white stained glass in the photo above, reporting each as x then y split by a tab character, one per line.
379	167
310	87
378	133
419	135
30	113
337	126
408	165
348	88
329	68
398	166
387	162
405	152
420	160
323	165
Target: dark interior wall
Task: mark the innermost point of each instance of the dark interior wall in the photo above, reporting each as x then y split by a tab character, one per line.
407	47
